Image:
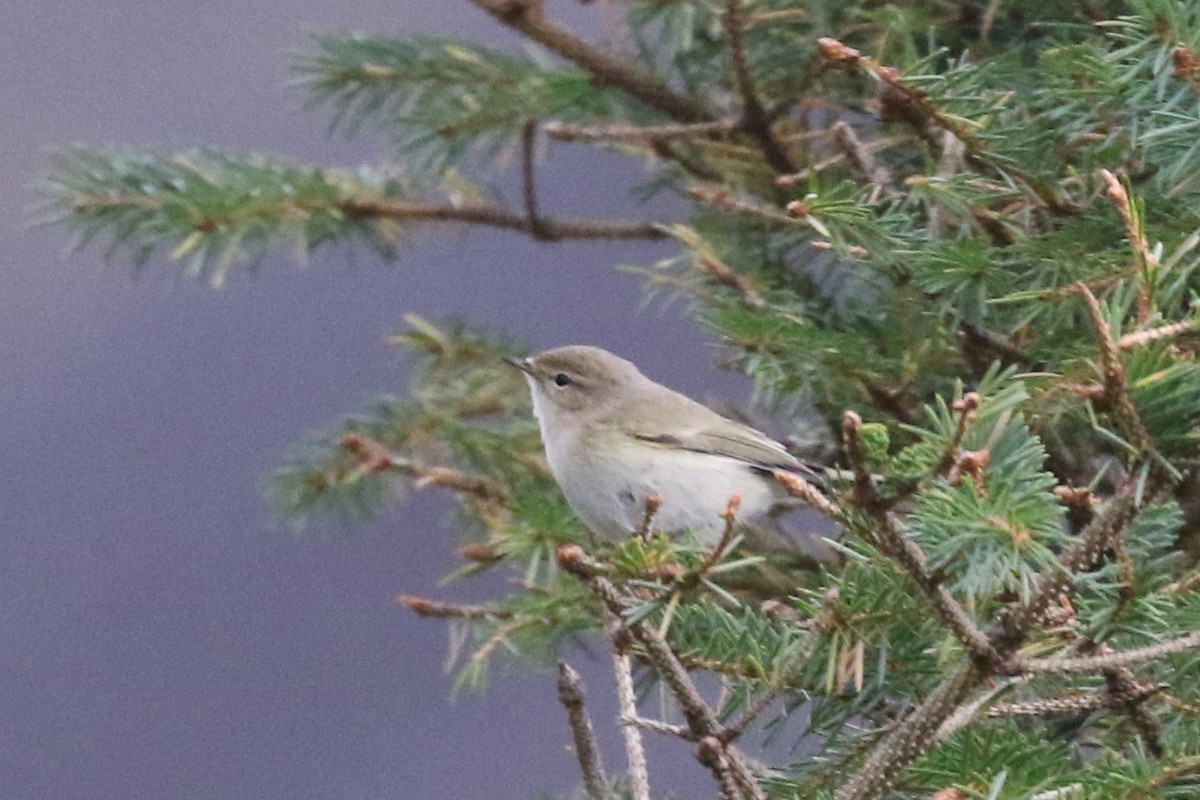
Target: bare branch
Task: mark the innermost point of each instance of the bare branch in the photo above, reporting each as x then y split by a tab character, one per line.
528	17
570	694
801	489
701	719
550	230
437	609
754	117
529	179
566	132
374	457
911	738
635	751
1122	658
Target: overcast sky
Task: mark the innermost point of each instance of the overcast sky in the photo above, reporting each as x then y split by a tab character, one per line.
162	636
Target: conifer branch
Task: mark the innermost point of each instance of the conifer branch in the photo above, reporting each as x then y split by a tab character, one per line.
567	132
528	18
635	751
908	554
1115	396
1065	705
437	609
529	179
1111	660
755	120
548	230
570	694
1132	341
911	738
374	457
862	160
715	752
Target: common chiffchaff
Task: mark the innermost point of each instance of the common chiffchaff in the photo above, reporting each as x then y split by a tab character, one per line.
614	437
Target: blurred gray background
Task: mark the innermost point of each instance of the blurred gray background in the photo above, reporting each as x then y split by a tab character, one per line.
161	636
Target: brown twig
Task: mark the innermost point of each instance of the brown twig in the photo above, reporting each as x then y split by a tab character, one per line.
374	457
570	694
650	506
1170	774
911	738
437	609
1115	397
863	162
1132	341
529	179
701	719
755	120
549	230
1122	658
635	751
1068	704
1143	255
801	489
729	514
528	18
566	132
966	409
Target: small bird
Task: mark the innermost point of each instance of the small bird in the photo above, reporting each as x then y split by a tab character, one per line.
614	438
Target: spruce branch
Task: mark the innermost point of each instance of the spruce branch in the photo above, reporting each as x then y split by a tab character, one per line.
646	134
701	719
374	457
755	120
911	738
570	694
1132	341
1067	705
528	18
1110	660
1115	395
863	162
529	179
547	230
437	609
891	538
635	751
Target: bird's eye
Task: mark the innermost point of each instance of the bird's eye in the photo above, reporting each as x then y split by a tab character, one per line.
562	379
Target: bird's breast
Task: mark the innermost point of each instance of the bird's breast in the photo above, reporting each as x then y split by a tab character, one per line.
606	482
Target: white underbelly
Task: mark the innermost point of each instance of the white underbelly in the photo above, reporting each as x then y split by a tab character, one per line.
609	494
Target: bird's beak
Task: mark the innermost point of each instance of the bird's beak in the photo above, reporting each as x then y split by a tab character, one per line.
521	364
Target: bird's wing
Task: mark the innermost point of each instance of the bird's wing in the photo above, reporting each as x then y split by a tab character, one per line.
730	439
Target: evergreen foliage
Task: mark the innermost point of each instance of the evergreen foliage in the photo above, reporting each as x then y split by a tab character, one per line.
967	233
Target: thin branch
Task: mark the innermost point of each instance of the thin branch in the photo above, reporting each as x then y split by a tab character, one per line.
798	487
1131	341
1115	397
424	607
863	161
658	726
966	408
529	179
1068	704
374	457
566	132
528	18
755	120
650	506
908	554
635	751
570	694
550	230
1143	254
911	738
701	719
1123	658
